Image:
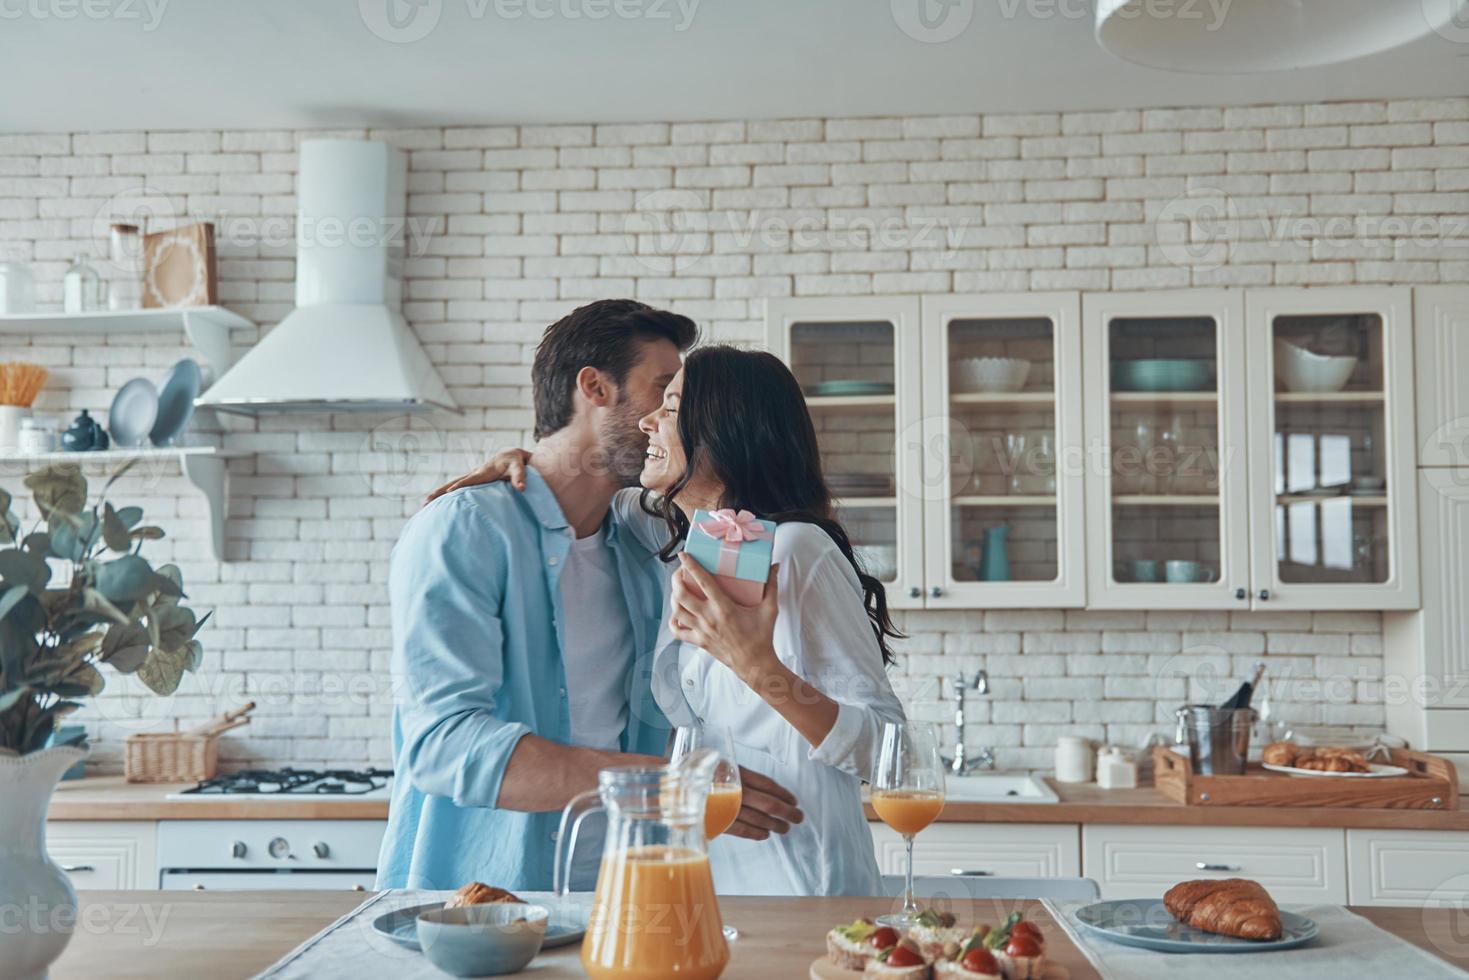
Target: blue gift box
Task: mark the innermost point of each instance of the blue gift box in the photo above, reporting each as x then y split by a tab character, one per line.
736	547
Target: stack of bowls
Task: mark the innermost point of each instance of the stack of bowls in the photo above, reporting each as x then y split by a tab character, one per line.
1162	374
990	374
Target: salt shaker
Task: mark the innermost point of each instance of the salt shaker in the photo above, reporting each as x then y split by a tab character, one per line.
1115	769
1073	759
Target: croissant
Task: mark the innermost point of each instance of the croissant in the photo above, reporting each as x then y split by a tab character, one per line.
477	893
1235	907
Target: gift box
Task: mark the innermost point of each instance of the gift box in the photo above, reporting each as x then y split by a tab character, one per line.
736	547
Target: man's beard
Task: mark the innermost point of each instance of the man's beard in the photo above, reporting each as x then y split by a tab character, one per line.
624	446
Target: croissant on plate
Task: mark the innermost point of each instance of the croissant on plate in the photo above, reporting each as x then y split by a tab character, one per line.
1235	907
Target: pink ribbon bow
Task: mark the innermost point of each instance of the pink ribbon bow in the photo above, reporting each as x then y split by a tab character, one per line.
733	527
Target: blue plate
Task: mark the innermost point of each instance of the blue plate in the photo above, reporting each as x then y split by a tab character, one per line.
176	402
1146	923
401	926
133	413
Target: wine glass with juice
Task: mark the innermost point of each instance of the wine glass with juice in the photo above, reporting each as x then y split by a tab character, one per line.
726	794
908	794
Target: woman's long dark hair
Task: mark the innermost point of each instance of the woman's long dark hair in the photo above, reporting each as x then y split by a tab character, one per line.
742	415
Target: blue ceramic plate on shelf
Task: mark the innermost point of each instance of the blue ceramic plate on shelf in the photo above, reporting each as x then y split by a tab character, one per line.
1162	374
566	926
1144	922
176	402
827	389
132	414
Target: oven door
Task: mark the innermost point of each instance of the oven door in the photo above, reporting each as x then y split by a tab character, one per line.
181	879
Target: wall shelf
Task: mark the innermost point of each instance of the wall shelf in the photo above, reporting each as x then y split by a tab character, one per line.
850	502
1165	397
1166	500
1006	500
1329	397
1359	500
854	404
207	327
202	466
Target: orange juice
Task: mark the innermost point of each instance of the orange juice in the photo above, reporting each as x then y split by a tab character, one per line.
722	809
907	811
655	917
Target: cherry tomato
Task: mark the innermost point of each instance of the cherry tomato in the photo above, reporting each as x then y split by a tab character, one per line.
883	938
980	961
1022	946
1024	928
903	956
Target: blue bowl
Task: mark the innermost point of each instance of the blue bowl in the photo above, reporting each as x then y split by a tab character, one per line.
1162	374
483	940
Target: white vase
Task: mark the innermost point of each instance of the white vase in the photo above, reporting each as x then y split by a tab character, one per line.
39	901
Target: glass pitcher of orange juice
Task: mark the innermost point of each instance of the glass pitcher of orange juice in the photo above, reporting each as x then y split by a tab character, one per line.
654	914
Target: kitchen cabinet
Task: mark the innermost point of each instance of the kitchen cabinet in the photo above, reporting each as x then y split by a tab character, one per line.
105	853
1296	864
1167	473
1005	850
1334	521
1441	345
1409	867
858	360
935	465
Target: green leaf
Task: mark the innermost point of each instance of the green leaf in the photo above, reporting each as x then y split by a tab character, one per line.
72	536
38	543
175	626
200	625
148	533
163	669
116	476
10	697
115	532
125	647
126	579
130	516
59	487
196	655
23	568
95	602
12	596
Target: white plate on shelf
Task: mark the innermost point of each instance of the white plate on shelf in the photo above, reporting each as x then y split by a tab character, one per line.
133	413
1376	770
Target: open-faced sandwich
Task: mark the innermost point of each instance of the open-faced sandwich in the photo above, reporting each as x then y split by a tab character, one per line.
936	932
901	961
852	945
973	962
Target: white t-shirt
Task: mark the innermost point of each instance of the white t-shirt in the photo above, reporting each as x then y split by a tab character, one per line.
597	647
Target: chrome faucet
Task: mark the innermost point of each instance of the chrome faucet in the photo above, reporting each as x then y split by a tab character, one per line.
984	757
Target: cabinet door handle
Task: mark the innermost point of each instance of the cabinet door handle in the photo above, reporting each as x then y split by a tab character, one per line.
935	591
1207	866
72	869
971	873
1241	594
914	592
1264	595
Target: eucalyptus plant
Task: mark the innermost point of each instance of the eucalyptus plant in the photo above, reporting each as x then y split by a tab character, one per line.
117	609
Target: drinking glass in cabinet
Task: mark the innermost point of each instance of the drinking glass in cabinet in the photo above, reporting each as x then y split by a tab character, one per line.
1331	514
1165	449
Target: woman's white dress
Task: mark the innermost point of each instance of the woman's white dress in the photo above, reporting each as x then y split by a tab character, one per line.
822	634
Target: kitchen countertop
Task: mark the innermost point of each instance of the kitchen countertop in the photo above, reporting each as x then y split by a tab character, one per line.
111	798
237	934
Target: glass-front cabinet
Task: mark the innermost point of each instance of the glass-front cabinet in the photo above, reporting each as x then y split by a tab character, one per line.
1167	501
857	360
1002	451
1188	449
1332	432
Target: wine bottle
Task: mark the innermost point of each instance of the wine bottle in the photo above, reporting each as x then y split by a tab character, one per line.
1241	698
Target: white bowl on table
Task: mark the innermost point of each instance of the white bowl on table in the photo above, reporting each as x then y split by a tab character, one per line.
990	374
1302	370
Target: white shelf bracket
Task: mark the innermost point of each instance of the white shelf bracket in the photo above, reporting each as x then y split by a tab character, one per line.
207	474
212	339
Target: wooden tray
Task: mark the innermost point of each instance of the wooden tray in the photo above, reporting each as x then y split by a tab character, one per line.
1432	784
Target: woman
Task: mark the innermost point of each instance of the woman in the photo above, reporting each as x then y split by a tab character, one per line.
799	680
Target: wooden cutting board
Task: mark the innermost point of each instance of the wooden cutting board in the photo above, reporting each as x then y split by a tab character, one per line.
825	969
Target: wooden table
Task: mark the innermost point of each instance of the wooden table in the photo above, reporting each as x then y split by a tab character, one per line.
142	934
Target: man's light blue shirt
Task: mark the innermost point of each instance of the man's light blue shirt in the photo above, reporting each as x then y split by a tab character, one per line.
477	665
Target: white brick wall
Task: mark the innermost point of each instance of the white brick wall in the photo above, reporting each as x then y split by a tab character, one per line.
712	219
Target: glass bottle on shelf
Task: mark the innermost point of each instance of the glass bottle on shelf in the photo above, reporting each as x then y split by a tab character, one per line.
17	289
125	286
81	288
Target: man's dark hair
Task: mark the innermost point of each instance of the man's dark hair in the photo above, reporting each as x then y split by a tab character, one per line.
606	335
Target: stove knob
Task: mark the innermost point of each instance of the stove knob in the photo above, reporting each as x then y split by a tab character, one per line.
321	849
279	847
238	849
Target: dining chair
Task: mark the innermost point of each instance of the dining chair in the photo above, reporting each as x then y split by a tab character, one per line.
988	886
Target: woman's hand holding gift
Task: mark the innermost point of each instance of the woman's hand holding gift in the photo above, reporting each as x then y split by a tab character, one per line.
740	637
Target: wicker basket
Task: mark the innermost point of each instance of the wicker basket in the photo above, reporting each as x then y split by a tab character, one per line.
171	757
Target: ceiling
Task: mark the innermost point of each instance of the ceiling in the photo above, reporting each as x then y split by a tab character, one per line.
187	64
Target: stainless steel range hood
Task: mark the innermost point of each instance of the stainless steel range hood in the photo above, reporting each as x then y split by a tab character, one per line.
346	346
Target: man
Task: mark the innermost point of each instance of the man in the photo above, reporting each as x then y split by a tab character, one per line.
524	623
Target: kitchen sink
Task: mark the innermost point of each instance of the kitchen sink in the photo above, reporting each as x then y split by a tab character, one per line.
998	787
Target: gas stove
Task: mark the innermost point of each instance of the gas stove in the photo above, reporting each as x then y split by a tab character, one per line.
290	783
